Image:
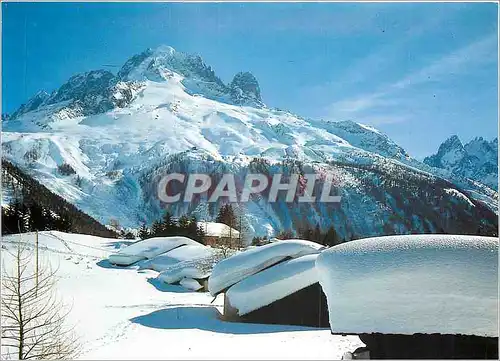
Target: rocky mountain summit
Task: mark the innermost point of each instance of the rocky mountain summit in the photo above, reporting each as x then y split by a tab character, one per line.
477	159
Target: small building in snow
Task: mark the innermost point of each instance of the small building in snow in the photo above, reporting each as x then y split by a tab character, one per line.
220	234
415	296
272	284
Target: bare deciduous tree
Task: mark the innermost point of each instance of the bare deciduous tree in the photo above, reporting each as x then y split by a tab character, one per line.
33	319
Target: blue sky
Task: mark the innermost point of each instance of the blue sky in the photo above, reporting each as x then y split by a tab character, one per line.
419	72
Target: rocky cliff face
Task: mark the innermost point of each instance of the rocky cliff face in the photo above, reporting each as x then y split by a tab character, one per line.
245	89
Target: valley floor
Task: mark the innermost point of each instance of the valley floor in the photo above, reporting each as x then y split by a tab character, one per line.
124	313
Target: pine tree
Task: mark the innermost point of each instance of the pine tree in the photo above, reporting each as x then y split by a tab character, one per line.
156	229
184	222
226	216
195	232
331	238
242	225
143	231
169	225
317	236
36	218
305	233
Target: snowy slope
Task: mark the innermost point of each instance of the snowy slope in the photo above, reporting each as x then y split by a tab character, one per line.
412	284
167	111
120	313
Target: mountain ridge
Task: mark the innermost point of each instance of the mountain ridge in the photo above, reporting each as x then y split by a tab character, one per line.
477	159
115	137
151	64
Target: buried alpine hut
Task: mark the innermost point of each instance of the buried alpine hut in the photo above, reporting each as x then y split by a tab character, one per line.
415	296
274	284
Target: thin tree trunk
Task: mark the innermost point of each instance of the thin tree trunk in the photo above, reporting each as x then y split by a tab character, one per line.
20	308
36	263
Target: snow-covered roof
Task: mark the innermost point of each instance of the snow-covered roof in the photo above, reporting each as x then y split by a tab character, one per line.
233	269
412	284
148	249
214	229
272	284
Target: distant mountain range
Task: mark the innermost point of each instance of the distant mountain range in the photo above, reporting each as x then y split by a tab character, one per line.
102	141
476	160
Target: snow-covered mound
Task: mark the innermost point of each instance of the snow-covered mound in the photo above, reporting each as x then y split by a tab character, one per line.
179	254
183	270
149	248
190	284
193	263
412	284
233	269
272	284
177	259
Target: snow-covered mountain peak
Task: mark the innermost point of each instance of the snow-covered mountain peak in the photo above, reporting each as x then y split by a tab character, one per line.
163	50
449	154
159	63
452	142
98	91
476	160
38	99
482	148
245	89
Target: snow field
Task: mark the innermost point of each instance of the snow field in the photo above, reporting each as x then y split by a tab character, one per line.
122	313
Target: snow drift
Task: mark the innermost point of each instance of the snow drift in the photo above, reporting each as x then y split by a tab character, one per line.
182	270
233	269
183	253
272	284
190	284
148	249
412	284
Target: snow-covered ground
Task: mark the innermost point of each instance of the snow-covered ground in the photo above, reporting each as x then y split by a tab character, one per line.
126	313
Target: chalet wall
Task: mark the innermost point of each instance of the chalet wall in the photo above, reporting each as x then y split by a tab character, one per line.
307	307
430	346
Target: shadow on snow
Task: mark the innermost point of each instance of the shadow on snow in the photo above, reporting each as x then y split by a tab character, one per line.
206	318
119	244
165	287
